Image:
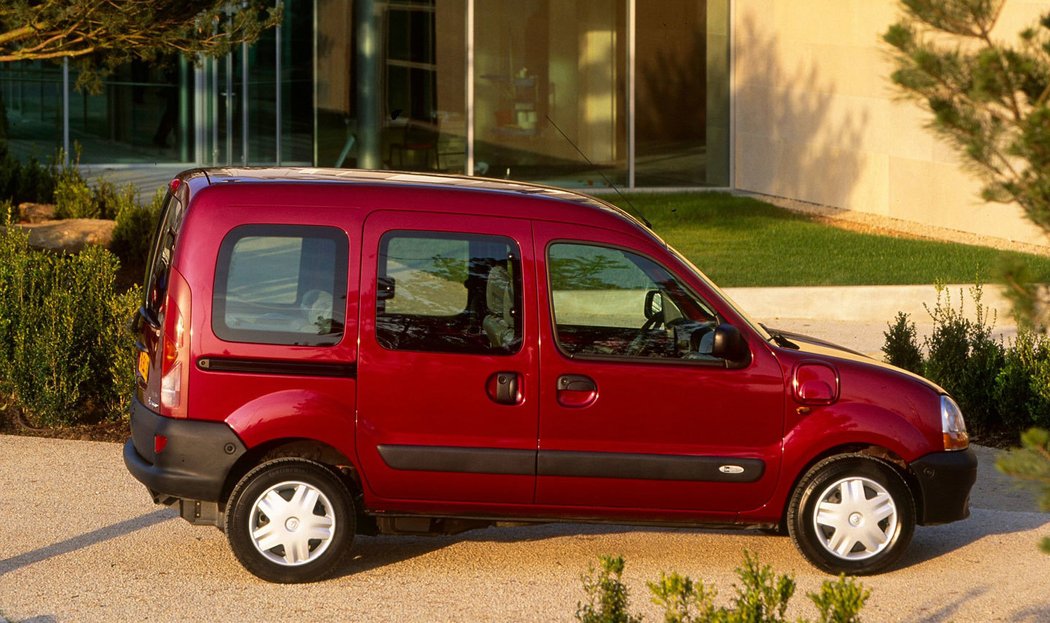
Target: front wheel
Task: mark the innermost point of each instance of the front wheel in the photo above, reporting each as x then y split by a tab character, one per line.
290	520
852	514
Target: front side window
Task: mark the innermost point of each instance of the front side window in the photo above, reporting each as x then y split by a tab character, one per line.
453	293
614	303
281	284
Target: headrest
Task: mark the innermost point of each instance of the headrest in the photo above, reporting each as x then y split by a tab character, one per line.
497	291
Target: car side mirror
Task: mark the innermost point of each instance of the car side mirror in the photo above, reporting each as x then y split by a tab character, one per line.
654	304
730	345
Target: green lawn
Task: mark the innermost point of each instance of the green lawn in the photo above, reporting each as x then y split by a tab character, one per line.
739	241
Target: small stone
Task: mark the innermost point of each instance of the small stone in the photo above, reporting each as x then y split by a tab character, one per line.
70	235
35	212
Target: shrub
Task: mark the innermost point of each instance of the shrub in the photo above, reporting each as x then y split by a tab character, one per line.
134	230
902	346
840	601
762	597
110	201
1000	387
73	197
963	357
64	350
20	182
606	594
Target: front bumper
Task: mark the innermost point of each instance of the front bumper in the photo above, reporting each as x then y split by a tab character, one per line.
945	480
195	463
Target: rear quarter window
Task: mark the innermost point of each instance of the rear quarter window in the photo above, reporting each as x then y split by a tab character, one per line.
281	284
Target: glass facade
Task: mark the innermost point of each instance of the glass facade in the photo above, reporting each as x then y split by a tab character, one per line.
578	93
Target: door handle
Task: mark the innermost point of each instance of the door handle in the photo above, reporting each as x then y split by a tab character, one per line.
504	388
576	390
576	383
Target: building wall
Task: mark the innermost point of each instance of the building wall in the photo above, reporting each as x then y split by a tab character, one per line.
817	118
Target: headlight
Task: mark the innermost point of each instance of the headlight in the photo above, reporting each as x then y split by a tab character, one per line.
953	426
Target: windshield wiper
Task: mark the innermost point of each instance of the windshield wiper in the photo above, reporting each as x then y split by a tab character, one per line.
779	338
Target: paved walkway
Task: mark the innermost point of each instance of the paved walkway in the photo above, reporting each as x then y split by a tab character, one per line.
94	548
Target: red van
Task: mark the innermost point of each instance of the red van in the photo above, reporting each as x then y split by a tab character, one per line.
323	353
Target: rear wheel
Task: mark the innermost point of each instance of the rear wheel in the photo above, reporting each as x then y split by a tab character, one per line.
852	514
290	520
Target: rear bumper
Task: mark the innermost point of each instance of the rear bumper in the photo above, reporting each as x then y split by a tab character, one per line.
194	464
945	480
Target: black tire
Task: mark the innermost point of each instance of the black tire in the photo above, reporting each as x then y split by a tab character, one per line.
868	519
301	495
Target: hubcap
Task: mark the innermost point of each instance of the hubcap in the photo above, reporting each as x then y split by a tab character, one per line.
292	523
855	519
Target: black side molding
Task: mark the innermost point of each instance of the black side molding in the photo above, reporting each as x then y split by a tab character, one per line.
571	464
463	460
649	466
286	368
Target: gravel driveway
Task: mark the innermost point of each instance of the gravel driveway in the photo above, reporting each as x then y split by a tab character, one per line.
81	541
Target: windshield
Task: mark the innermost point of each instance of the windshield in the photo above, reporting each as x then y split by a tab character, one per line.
754	324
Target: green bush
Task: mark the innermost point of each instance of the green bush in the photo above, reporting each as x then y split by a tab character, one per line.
761	597
902	347
110	201
607	598
64	346
963	358
20	182
134	230
73	196
1000	387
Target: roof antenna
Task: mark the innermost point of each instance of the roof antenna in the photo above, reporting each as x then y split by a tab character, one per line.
608	182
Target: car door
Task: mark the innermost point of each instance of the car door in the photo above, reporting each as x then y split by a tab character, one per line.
447	366
637	416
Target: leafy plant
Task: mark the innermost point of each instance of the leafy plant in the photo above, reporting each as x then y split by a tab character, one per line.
1000	387
73	197
761	597
109	200
22	182
840	601
902	347
963	356
607	595
682	599
64	350
134	229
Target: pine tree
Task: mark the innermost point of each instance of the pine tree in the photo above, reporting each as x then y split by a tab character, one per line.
990	99
1032	462
102	35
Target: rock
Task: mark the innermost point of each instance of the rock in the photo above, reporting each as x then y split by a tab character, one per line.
70	235
35	212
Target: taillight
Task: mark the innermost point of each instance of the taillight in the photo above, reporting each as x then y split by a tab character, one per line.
175	348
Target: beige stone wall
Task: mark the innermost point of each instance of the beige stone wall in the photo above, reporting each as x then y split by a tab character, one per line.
817	119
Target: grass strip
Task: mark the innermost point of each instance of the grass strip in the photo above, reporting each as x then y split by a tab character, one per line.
740	241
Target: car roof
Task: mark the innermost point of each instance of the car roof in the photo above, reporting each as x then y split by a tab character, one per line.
361	177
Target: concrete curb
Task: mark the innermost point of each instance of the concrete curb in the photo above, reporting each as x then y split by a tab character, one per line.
867	303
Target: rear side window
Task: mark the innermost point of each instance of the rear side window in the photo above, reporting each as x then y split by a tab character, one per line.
281	284
452	293
161	252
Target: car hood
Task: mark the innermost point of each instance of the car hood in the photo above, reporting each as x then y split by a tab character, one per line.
823	348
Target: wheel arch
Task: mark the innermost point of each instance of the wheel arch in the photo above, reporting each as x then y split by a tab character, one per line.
304	448
887	456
